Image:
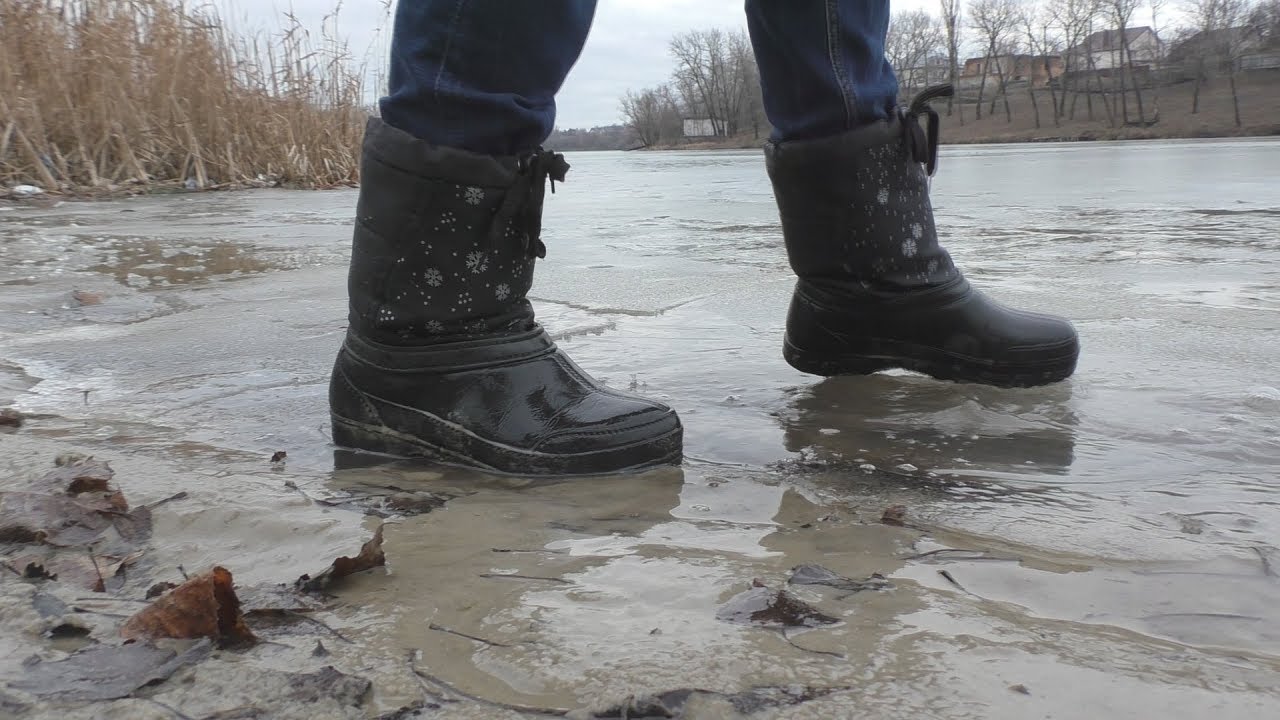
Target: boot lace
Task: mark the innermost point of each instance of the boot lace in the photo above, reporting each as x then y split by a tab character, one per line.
924	148
522	205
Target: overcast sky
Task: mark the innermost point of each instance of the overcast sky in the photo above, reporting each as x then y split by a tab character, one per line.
627	47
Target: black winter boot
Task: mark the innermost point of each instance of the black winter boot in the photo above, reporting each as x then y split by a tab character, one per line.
875	289
443	358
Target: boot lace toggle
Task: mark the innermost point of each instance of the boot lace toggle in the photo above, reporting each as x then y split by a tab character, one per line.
523	202
924	148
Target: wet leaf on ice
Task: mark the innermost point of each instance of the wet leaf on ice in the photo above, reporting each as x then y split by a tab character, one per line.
63	521
104	672
278	598
819	575
87	479
33	570
370	556
84	297
204	606
894	515
49	605
674	703
27	517
81	475
159	589
80	568
771	608
10	418
329	684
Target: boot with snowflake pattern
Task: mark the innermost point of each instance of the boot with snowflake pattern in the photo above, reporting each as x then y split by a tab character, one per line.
875	288
443	358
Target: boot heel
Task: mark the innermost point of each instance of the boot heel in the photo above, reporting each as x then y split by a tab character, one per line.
827	366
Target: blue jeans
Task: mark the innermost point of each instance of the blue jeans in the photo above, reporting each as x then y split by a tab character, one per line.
482	75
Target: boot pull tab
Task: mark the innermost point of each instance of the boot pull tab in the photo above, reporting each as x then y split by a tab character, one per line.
523	201
924	148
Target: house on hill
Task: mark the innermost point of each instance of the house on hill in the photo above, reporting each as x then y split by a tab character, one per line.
1105	50
1246	46
1038	70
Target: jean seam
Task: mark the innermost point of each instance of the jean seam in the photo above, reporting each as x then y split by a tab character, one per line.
834	54
448	44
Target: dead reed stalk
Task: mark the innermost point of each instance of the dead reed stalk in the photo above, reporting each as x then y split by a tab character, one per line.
97	94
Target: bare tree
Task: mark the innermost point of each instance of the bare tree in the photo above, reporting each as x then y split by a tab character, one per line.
1215	40
695	72
1235	36
715	75
1037	23
914	38
1121	12
642	112
952	29
994	21
1074	19
1157	7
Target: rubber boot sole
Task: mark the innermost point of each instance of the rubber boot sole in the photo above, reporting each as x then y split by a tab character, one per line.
877	355
364	437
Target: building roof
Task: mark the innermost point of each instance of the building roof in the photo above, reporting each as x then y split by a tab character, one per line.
1109	40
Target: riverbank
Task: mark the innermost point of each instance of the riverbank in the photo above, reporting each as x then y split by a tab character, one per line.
1259	110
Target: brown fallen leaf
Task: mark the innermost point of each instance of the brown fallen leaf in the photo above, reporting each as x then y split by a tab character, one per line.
10	418
88	480
370	556
159	589
84	297
27	517
894	515
204	606
279	456
81	475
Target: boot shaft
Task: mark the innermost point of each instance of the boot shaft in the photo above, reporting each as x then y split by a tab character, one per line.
855	210
445	240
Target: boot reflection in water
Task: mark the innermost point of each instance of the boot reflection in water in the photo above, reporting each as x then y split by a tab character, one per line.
443	357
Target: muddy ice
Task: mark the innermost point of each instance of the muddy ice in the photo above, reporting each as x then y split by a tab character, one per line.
885	546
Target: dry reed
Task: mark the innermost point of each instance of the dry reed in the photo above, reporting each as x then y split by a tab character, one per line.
107	94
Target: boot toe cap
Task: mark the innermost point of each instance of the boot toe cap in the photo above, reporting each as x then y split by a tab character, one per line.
634	430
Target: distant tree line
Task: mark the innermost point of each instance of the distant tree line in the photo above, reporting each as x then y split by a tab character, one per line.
1083	49
715	83
1071	58
604	137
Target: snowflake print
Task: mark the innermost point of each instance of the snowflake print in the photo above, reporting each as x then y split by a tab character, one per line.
433	277
882	197
909	248
477	262
503	291
917	231
435	326
474	195
476	327
933	266
385	315
448	221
